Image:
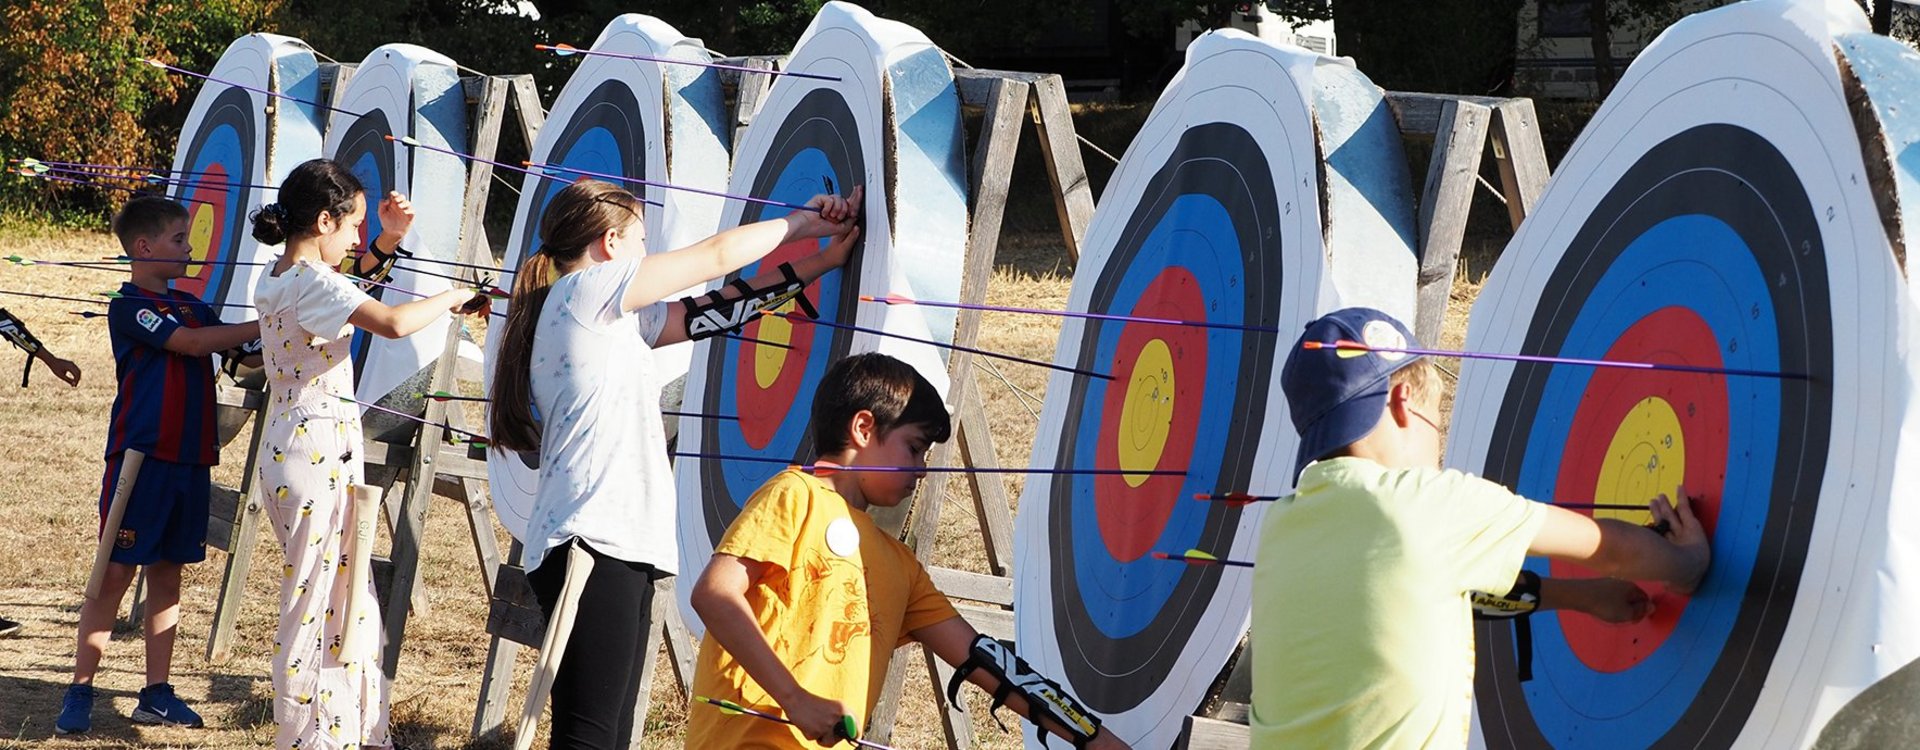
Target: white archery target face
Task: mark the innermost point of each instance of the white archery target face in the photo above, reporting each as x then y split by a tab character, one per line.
1213	214
1715	212
617	116
404	91
814	136
234	145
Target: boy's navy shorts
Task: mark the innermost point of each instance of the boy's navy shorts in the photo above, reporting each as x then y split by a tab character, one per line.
166	519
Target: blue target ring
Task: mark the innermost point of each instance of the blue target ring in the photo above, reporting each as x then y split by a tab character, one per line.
1712	221
604	135
1197	234
225	140
1129	619
1703	261
366	152
815	150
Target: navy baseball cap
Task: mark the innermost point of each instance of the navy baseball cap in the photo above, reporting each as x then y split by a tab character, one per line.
1338	395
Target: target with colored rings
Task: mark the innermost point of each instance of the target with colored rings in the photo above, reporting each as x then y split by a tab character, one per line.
233	142
614	117
404	91
891	124
1213	215
1714	214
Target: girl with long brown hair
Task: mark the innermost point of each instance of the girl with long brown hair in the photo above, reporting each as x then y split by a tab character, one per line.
571	383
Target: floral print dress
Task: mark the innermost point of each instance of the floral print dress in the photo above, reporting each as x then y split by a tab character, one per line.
322	698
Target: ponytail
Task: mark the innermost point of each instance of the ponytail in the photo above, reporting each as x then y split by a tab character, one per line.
577	216
511	424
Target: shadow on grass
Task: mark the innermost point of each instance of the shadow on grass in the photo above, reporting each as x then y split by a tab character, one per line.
33	704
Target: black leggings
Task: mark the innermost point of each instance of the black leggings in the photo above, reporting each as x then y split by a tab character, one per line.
599	678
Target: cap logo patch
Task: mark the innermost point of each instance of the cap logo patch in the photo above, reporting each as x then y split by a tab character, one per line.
1379	334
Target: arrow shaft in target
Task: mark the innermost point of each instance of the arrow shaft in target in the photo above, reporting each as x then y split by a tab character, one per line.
930	342
477	437
105	168
894	299
257	90
565	50
670	186
126	259
1356	346
411	142
830	468
108	186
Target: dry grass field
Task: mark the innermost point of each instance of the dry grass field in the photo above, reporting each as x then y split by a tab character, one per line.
50	471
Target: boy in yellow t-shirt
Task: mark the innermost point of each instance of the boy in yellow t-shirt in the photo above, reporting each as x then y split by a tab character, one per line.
805	599
1388	548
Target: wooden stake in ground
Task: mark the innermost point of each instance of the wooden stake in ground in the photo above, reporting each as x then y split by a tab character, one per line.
579	566
130	462
362	516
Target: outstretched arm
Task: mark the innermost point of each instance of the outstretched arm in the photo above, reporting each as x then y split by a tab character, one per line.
808	269
1622	550
733	249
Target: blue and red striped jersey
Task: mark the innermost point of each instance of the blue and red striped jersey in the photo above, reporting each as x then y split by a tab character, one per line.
164	407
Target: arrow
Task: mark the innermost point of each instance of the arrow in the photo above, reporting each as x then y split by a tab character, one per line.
54	297
1196	557
1242	498
847	729
19	261
129	260
422	295
154	179
474	438
826	468
44	165
568	50
89	183
445	396
411	142
1355	346
895	299
275	94
670	186
955	347
117	295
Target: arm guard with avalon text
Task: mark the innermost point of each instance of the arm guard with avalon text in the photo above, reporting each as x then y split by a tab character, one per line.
1045	698
712	314
1518	605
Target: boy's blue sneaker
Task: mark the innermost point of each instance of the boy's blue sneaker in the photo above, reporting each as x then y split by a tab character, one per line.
159	706
76	711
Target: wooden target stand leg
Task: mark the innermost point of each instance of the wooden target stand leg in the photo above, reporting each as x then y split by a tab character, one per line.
433	465
1460	129
1006	98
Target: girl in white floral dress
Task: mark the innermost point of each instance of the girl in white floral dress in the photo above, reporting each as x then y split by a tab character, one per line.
323	699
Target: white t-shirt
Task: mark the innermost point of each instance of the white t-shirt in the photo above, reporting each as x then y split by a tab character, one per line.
604	476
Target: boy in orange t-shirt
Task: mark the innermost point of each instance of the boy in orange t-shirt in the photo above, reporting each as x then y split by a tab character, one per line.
805	598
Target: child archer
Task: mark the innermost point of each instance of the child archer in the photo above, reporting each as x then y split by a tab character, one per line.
163	342
805	598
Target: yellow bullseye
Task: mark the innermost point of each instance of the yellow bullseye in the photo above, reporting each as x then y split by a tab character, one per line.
200	234
1147	414
1647	457
768	361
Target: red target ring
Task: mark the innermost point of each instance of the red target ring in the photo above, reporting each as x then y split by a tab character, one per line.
1627	433
1150	414
767	386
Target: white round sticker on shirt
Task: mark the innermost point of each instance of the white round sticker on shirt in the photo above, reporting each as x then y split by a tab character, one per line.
843	537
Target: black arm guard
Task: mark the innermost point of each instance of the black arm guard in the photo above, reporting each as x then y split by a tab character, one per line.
230	359
382	269
16	332
1518	605
712	314
1045	698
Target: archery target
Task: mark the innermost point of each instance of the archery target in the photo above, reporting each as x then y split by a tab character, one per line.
1214	214
617	116
234	141
890	124
401	90
1715	213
